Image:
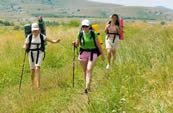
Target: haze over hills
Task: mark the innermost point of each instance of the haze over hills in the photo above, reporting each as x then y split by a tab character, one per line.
163	7
16	9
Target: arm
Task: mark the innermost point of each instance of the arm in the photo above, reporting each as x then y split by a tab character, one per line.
25	46
76	43
100	48
106	28
53	41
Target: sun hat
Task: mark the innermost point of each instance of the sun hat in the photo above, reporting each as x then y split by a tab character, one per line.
85	22
35	27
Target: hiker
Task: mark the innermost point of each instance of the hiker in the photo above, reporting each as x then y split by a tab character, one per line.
41	25
34	45
90	49
112	40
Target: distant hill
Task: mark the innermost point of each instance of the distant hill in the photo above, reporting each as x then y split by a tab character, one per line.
163	7
17	9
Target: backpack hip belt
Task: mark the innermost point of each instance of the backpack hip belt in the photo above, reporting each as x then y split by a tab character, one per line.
115	34
95	50
38	53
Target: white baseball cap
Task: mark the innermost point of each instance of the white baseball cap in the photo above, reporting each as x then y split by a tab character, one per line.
85	22
35	27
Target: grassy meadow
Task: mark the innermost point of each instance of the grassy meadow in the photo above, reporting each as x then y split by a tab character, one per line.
140	81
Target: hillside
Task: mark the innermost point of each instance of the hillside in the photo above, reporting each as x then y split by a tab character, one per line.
17	9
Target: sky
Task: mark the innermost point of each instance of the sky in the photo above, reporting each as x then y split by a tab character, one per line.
150	3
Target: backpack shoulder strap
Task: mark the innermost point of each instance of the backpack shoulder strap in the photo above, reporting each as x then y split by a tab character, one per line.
81	37
41	37
30	39
42	42
29	44
92	34
94	38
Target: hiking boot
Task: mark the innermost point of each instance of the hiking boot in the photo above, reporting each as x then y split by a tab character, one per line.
107	66
86	90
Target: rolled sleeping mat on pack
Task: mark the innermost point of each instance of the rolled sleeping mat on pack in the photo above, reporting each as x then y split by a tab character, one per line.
96	29
122	29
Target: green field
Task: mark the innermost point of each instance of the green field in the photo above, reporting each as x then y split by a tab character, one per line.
140	81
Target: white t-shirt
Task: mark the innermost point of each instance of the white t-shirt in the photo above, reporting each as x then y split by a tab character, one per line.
35	40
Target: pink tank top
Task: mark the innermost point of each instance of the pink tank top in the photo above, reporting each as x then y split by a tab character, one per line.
112	29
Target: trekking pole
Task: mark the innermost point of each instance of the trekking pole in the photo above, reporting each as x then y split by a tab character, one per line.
22	72
73	63
77	51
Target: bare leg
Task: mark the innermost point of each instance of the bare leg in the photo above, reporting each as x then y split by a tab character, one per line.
33	77
84	67
38	76
113	56
90	67
109	56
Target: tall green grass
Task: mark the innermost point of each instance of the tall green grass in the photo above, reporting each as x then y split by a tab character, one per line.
139	82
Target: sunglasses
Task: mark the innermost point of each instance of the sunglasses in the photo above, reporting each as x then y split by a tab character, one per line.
85	26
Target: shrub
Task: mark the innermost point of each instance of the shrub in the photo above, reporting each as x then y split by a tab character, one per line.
48	23
6	23
162	23
16	28
74	23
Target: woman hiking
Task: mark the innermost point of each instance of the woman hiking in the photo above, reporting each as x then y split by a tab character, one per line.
112	41
35	46
90	49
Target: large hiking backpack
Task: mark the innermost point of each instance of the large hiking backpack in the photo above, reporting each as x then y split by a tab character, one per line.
82	42
27	29
41	25
40	47
121	35
81	37
94	29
